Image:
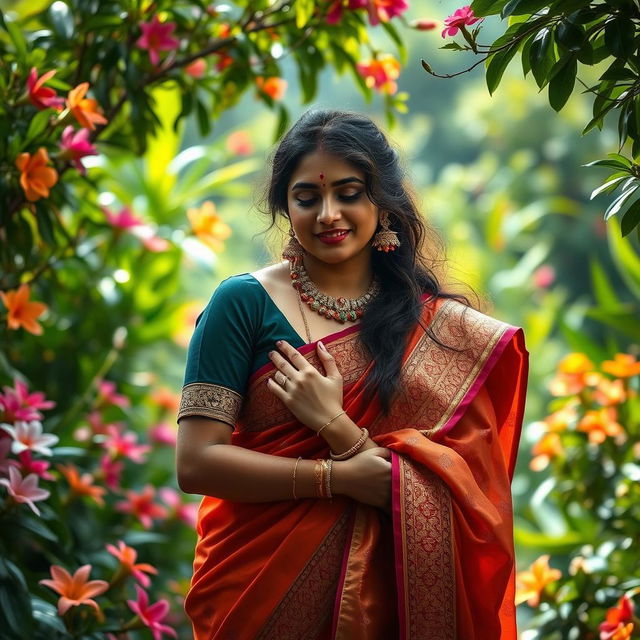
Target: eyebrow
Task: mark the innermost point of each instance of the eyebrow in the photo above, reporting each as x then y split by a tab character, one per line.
337	183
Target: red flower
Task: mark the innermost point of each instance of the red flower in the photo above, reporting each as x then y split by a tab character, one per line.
274	87
197	68
19	404
381	74
423	24
459	19
151	615
616	619
142	506
40	96
157	36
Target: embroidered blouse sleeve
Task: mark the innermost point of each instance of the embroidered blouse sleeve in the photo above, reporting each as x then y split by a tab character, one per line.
220	354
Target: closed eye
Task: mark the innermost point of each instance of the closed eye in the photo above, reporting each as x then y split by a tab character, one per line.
345	198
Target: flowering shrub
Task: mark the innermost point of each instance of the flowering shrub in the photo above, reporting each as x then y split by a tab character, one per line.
590	448
553	39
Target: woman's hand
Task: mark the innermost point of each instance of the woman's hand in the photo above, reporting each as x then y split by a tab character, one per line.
366	477
313	398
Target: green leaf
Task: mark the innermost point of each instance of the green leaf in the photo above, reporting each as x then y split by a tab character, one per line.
570	35
630	220
38	125
603	290
520	7
17	38
623	200
608	186
497	64
486	7
624	319
304	12
625	257
541	56
619	36
562	81
61	20
202	114
526	52
392	32
611	164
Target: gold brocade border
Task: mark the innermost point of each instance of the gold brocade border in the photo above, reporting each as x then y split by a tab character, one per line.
304	609
262	409
429	572
434	379
210	400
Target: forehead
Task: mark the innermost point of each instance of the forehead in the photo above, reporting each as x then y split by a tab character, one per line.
331	166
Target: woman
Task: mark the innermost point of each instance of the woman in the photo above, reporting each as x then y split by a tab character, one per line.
354	435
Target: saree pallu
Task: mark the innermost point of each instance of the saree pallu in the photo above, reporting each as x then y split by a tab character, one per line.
441	566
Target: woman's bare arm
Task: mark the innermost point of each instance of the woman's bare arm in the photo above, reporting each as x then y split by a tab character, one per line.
208	464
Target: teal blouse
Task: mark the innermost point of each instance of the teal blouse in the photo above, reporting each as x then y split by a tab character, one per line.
231	340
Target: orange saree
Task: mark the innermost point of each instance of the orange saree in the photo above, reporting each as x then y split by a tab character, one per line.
442	566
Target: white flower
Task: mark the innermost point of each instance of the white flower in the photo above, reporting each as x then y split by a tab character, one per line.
29	436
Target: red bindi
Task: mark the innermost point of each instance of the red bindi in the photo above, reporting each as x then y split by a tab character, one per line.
322	179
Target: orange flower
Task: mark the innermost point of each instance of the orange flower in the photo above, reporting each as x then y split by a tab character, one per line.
624	365
274	87
623	632
381	73
166	399
127	557
530	584
615	626
75	590
85	110
23	313
548	447
561	419
36	178
609	392
208	226
572	376
600	424
82	485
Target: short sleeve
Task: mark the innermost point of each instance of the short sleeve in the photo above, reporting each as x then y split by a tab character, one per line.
220	353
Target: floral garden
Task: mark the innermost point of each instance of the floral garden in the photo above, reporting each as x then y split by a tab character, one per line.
132	137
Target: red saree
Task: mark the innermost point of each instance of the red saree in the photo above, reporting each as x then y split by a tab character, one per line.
442	567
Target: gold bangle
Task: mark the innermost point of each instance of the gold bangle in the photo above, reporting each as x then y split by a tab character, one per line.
328	423
317	471
327	484
354	449
295	468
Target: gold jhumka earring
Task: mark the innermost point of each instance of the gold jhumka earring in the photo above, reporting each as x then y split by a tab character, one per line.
293	250
385	240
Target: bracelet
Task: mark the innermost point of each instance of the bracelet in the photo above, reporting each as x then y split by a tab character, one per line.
328	423
354	449
327	484
318	472
295	468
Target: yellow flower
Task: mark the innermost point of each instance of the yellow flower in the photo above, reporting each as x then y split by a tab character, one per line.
208	226
572	376
530	584
624	365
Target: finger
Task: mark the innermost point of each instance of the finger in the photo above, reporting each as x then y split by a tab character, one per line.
276	389
282	364
328	361
293	355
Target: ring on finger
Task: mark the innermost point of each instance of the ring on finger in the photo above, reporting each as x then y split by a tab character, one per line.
281	379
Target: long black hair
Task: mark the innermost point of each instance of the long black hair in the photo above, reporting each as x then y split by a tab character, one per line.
404	274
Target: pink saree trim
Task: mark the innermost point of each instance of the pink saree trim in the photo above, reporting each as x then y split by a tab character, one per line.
308	347
398	543
479	381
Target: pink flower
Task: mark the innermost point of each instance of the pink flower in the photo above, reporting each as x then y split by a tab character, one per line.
18	404
239	143
380	10
24	489
163	433
75	146
187	512
150	240
29	465
75	590
151	615
124	445
107	395
111	470
156	36
40	96
142	506
381	73
5	462
460	18
28	435
544	276
127	556
124	219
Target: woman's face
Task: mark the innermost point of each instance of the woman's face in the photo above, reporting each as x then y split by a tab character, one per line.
330	213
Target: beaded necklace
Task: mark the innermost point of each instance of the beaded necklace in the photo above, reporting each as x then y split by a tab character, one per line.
341	309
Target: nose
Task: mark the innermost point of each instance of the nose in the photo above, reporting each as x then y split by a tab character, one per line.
329	211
